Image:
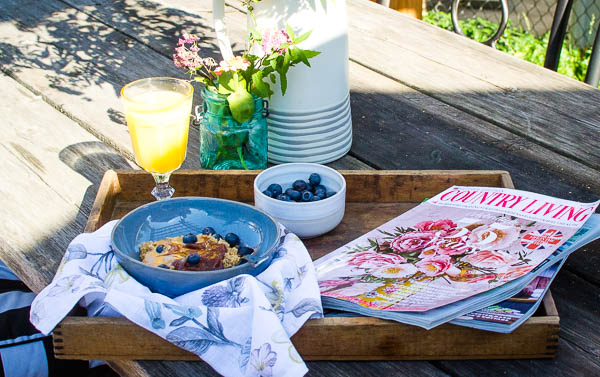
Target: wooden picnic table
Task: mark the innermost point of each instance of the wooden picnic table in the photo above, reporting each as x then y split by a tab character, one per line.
421	97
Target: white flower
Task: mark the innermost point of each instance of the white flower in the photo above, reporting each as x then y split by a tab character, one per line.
395	271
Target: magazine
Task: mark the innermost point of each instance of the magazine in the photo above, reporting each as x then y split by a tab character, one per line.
589	232
461	243
507	315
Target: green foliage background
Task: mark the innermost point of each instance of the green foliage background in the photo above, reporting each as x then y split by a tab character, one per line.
519	43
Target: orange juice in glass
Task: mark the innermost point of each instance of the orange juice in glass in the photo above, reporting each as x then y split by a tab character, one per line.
158	111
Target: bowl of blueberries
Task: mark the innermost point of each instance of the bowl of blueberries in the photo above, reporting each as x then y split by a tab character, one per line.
178	245
308	199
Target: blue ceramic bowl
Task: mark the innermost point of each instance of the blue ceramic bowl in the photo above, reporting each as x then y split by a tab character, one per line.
174	217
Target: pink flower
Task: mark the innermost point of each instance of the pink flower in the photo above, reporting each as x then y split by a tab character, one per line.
495	259
188	38
435	266
494	236
451	246
368	259
427	253
445	225
412	241
272	41
396	271
515	272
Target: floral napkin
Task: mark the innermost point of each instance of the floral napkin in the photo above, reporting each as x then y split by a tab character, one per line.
241	326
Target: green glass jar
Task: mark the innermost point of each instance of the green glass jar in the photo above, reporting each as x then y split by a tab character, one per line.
226	143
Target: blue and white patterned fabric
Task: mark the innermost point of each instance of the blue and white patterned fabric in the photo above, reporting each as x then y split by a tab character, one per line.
241	327
24	351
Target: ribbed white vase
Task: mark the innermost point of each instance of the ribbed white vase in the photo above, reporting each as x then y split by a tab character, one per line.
312	122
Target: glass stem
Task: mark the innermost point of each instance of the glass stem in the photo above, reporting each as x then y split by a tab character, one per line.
162	190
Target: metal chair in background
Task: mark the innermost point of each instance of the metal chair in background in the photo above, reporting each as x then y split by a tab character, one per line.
557	37
494	38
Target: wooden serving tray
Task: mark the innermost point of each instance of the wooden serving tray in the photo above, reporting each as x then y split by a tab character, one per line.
372	198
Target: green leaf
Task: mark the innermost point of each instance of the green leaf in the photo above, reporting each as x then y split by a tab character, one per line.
272	78
259	87
226	83
303	37
310	53
283	83
300	56
286	61
290	31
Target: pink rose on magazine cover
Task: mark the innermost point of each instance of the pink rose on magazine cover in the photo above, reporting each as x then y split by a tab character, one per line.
396	271
454	245
429	225
494	236
412	241
495	259
428	253
374	260
516	272
435	266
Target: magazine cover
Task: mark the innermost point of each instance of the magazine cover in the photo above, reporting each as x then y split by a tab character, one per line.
464	241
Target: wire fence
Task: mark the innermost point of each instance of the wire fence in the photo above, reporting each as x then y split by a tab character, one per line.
532	16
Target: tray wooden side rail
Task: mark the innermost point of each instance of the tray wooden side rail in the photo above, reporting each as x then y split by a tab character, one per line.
373	197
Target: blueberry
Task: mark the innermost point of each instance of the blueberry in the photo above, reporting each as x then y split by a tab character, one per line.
268	193
208	231
190	238
329	194
275	189
320	187
284	197
293	194
163	266
299	185
193	259
160	248
218	237
245	251
314	179
320	193
307	196
315	198
310	188
232	239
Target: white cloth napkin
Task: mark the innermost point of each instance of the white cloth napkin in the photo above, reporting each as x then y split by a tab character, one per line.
241	326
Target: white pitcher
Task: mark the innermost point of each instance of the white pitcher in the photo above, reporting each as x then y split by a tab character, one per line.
317	98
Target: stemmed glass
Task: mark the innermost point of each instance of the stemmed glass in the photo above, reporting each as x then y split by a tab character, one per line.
158	111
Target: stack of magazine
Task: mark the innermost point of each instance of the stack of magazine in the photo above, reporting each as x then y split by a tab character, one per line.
473	256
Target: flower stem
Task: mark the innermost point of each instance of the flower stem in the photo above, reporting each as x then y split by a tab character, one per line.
240	154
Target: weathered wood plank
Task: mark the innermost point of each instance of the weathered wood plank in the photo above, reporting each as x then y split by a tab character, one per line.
334	338
49	172
76	63
550	109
